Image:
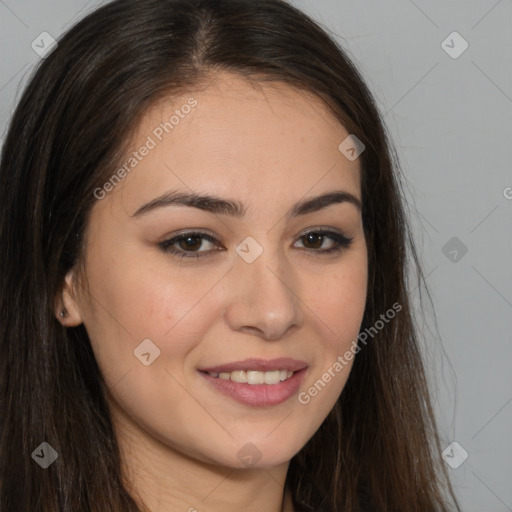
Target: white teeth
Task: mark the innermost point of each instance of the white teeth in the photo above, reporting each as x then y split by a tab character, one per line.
254	377
272	377
238	376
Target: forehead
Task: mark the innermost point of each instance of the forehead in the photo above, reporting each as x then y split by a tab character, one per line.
239	138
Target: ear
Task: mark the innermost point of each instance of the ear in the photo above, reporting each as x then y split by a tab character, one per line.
67	310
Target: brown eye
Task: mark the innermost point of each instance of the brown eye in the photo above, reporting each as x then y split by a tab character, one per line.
190	242
187	245
314	240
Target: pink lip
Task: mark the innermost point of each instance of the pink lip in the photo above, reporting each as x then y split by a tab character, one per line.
258	395
259	365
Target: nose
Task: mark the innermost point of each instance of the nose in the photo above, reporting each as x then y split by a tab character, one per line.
263	297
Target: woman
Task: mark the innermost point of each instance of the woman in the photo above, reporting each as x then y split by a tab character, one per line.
204	301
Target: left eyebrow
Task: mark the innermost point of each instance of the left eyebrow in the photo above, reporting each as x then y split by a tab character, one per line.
234	208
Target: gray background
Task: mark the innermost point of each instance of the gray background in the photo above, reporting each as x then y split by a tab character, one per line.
450	119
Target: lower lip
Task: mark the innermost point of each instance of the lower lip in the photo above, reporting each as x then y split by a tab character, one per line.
258	395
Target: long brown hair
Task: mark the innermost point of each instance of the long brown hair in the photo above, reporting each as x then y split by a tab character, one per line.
378	449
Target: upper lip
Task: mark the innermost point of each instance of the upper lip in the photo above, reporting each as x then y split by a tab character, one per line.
259	365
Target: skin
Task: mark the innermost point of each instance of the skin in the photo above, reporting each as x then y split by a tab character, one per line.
268	147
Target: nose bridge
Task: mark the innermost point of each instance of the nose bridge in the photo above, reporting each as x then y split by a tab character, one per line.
264	296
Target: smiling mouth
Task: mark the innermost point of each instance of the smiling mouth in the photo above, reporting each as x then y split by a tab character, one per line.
256	382
253	377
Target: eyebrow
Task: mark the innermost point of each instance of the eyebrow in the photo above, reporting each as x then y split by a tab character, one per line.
234	208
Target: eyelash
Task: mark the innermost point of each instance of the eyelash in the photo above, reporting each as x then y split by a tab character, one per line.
340	242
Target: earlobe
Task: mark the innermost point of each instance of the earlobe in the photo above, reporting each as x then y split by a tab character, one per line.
67	310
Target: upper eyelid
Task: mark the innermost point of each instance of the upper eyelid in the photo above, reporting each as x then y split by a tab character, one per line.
175	238
210	234
325	230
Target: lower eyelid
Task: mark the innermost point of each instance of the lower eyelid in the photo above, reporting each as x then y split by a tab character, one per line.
179	238
340	240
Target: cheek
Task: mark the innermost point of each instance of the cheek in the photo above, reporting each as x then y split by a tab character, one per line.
172	309
339	299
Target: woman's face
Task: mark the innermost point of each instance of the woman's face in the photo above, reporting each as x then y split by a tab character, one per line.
262	301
